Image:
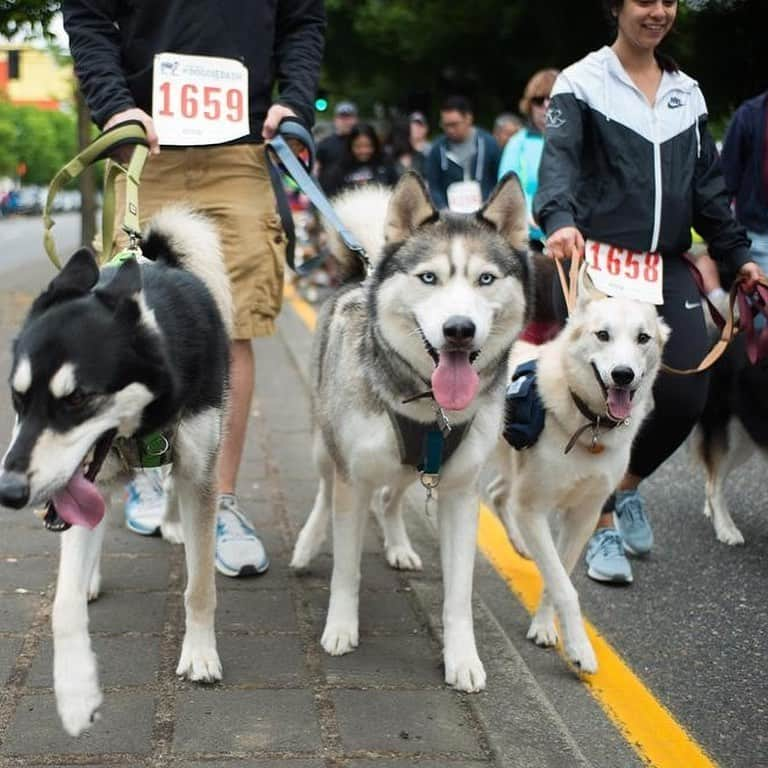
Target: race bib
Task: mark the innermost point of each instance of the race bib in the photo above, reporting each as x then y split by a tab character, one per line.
623	273
199	100
464	196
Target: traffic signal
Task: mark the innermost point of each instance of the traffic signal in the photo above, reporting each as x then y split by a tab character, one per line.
321	101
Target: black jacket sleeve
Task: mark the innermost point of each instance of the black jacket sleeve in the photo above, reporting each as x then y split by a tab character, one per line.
554	205
712	217
94	41
299	46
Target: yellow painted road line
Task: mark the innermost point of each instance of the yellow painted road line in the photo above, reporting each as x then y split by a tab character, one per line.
641	719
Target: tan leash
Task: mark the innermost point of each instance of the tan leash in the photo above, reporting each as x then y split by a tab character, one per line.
570	285
729	328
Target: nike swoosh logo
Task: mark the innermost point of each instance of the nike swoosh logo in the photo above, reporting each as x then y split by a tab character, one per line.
692	305
675	106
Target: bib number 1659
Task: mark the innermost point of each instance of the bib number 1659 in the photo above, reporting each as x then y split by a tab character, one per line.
209	101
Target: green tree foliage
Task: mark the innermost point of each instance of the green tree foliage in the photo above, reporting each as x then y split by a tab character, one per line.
28	17
43	140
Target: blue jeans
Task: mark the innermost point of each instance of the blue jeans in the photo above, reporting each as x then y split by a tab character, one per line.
759	249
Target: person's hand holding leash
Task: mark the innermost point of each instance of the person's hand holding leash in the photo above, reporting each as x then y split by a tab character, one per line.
134	113
750	273
565	243
277	113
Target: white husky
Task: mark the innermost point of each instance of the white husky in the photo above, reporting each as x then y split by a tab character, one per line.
603	363
447	296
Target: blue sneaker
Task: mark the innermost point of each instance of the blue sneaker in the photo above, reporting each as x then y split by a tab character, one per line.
606	559
239	551
145	505
632	522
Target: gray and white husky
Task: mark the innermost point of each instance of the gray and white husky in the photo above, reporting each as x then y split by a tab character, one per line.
446	298
122	351
602	364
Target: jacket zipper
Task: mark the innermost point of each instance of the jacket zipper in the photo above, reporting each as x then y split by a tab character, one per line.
657	182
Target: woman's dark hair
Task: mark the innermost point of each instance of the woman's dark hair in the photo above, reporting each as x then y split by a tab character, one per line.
611	9
362	129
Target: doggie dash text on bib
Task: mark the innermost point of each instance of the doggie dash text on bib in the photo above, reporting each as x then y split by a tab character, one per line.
199	100
623	273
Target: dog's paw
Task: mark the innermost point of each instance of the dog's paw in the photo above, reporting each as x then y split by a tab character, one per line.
543	631
339	639
199	663
465	673
403	557
729	534
78	709
78	696
172	531
581	654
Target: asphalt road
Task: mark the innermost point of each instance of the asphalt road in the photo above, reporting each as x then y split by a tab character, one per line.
693	627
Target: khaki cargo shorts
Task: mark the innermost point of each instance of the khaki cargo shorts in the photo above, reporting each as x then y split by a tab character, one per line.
231	185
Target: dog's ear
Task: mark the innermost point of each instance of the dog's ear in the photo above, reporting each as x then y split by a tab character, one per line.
76	278
587	291
125	285
507	212
410	207
664	331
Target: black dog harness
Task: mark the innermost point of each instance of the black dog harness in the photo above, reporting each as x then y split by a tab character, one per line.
524	414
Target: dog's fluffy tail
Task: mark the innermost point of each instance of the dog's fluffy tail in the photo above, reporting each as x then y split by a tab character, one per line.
363	212
185	238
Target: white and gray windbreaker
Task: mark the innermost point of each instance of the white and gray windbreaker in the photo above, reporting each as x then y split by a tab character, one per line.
629	174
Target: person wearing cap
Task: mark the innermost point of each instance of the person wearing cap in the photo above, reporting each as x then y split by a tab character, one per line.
462	164
418	132
522	152
332	148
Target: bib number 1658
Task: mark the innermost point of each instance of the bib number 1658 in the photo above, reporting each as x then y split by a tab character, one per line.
621	272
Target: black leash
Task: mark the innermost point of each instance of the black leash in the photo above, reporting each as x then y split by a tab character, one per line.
282	157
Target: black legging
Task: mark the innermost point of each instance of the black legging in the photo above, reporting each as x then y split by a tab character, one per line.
678	400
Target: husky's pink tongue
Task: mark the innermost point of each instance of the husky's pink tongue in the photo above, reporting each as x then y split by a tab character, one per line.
80	503
454	382
619	403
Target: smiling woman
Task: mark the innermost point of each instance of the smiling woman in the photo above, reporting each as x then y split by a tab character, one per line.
629	166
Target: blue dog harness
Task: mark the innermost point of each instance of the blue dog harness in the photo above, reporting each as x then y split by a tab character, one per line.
524	414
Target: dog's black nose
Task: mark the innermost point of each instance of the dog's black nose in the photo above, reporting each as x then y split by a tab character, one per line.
622	375
14	490
459	328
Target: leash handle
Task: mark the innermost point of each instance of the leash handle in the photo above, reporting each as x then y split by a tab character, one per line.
755	347
569	286
281	156
129	133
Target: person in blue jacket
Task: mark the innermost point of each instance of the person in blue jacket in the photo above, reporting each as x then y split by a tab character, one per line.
464	161
744	159
522	152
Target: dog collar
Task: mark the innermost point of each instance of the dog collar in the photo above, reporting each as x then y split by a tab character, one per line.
595	422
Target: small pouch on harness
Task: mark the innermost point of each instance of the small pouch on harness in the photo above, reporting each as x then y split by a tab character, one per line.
524	412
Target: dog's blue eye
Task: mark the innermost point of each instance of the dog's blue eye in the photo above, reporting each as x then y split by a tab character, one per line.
603	335
486	278
428	278
643	338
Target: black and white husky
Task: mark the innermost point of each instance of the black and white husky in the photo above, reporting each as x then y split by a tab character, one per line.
447	296
133	349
